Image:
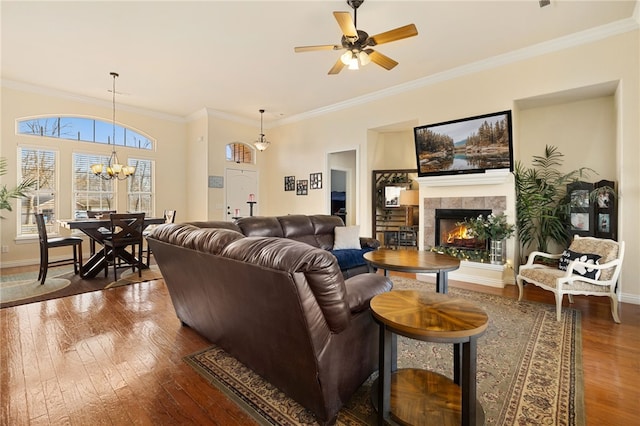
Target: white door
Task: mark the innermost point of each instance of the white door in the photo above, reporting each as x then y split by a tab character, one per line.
241	187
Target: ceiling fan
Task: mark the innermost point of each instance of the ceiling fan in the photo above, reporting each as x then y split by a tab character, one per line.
358	43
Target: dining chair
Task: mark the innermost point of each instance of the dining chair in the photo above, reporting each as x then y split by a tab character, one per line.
169	217
92	214
46	243
126	230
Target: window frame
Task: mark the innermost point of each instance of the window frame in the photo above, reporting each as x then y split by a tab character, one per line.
98	122
75	190
53	227
152	193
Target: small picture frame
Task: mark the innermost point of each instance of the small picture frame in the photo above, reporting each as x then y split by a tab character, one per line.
604	223
289	183
302	187
315	181
392	196
580	198
580	221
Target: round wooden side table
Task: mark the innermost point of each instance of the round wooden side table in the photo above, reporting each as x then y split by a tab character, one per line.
414	261
416	396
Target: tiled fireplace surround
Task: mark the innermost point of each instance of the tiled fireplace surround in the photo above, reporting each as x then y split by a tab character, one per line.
479	273
497	204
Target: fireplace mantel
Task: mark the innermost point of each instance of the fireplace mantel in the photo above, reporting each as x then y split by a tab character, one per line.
490	177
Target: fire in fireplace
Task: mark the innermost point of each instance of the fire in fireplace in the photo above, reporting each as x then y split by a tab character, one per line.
450	234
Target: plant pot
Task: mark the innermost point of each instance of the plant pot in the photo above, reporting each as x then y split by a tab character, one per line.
497	251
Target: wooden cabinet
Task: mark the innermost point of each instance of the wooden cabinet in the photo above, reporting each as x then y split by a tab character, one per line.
593	209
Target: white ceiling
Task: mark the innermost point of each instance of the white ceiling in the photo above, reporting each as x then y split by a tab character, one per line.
235	57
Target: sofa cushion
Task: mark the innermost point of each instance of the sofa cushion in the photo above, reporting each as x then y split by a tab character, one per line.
260	226
346	237
350	258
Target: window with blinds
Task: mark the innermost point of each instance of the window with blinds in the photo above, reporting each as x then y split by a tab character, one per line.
42	166
140	187
90	192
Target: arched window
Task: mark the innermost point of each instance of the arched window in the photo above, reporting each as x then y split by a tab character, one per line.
83	129
239	153
87	191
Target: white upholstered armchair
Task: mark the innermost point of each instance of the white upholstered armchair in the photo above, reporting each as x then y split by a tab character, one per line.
590	266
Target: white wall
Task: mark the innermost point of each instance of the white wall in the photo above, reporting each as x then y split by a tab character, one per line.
615	59
299	144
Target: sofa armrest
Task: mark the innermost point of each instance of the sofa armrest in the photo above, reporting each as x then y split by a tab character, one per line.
361	289
369	242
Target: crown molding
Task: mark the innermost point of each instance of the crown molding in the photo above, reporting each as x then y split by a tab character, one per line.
47	91
561	43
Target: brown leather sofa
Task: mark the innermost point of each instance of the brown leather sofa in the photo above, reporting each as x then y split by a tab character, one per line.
280	306
315	230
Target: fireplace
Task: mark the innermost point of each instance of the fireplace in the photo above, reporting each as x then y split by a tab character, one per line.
449	234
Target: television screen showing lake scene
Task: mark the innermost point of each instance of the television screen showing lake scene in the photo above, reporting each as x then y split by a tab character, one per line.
469	145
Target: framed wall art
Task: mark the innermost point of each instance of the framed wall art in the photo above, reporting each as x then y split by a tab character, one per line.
581	217
315	180
605	210
302	187
289	183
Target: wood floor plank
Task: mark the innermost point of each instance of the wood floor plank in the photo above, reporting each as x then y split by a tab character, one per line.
116	357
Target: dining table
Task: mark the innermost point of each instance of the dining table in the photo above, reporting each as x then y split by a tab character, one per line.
93	228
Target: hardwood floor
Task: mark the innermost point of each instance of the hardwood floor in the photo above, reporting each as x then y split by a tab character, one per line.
115	357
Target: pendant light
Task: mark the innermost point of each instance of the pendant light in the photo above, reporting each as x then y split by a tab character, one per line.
113	169
261	143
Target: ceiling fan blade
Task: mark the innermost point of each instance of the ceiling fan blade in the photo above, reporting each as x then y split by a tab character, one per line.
393	35
337	67
300	49
380	59
346	24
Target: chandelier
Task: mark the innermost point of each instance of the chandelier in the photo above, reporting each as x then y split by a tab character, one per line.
114	169
261	143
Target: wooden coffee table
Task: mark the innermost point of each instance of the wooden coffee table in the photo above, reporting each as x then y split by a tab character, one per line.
414	262
415	396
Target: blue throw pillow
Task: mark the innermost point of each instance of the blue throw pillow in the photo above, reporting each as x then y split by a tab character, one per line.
350	258
569	255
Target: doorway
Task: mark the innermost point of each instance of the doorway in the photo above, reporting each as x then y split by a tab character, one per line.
343	195
241	186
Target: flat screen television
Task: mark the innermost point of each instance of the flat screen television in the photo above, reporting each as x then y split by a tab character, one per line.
468	145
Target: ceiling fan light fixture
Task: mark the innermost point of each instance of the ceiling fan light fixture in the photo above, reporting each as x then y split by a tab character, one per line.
353	64
346	57
364	58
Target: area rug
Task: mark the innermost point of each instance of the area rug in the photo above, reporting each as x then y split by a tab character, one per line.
529	368
131	277
23	286
66	284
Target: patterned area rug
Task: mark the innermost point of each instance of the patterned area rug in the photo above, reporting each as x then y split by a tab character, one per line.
529	368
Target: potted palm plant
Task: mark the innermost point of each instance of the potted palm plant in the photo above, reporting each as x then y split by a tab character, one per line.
542	204
20	191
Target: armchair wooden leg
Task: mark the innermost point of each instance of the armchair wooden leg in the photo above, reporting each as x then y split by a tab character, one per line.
614	308
558	306
520	289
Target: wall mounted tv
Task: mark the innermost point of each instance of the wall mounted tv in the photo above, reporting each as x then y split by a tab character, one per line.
468	145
